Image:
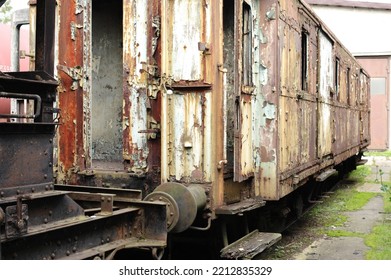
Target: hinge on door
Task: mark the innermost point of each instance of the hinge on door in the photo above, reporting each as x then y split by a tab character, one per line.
153	128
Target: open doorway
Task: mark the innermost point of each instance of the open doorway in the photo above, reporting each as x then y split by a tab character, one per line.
106	86
229	64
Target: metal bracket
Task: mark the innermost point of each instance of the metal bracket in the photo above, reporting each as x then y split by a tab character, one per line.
76	73
16	219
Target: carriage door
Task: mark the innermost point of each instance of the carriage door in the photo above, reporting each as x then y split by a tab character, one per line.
238	59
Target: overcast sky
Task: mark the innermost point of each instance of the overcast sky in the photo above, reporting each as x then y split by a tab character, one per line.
21	4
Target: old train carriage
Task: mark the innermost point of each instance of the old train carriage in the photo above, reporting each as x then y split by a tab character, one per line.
231	113
243	101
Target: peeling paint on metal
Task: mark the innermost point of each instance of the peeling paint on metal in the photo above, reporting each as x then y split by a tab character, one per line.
79	6
184	37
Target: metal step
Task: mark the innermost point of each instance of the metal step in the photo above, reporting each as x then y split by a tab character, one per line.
326	174
240	207
362	162
250	245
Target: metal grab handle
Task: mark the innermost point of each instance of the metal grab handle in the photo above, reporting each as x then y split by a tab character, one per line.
35	97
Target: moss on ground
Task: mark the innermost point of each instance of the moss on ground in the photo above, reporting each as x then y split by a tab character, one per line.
325	217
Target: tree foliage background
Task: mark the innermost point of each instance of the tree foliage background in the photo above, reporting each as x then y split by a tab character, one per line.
6	12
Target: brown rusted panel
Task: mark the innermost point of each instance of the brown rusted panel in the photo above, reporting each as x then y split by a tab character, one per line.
265	179
154	53
314	123
70	56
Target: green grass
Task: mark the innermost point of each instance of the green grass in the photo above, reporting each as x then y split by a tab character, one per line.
380	242
357	200
360	174
329	217
387	203
378	153
344	199
344	233
380	238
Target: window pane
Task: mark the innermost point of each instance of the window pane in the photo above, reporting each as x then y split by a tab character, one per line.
378	86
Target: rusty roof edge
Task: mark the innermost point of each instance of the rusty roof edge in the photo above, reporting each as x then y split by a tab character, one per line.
326	29
351	4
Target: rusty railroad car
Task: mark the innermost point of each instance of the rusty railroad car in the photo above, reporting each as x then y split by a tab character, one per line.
225	115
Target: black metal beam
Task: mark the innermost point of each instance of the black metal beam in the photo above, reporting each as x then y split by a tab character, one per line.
45	34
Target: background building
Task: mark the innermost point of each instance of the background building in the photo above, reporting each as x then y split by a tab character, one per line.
363	28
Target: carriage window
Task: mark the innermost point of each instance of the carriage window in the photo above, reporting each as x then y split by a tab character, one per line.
337	77
348	85
378	86
247	45
304	60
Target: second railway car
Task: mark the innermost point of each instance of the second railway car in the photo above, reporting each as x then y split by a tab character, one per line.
235	103
232	113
